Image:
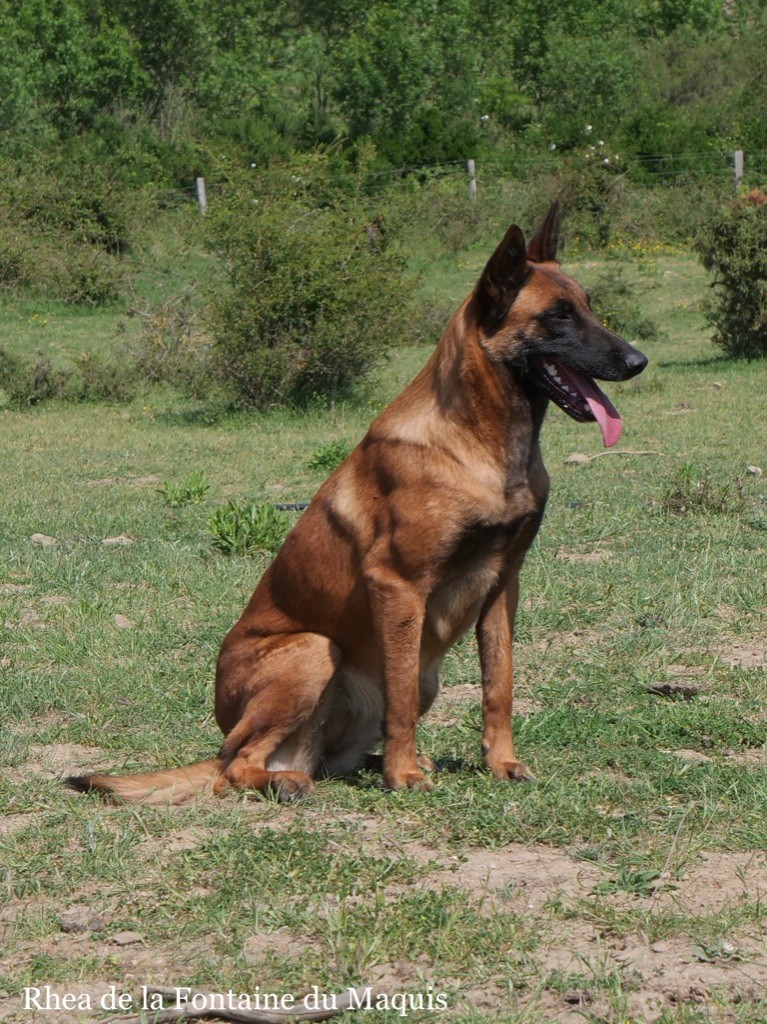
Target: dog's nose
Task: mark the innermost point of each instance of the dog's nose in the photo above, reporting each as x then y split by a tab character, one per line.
635	363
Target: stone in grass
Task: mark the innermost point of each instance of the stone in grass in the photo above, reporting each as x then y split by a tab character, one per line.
577	459
754	470
123	622
80	919
693	756
126	938
122	539
43	540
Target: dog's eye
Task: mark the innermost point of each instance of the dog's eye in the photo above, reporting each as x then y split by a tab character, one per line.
562	314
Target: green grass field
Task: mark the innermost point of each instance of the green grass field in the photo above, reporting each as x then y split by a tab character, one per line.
626	885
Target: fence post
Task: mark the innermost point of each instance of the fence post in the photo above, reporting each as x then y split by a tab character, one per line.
472	179
202	198
738	168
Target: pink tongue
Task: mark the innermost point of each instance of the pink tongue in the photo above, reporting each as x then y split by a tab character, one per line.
603	409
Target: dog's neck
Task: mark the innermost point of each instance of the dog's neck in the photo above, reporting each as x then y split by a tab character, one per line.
487	396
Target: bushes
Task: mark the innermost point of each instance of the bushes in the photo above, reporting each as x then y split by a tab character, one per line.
734	246
240	527
614	302
28	382
317	294
173	347
65	227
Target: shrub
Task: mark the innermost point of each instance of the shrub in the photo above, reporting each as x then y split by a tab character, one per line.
692	491
316	296
329	455
734	246
28	382
190	492
614	303
172	347
239	528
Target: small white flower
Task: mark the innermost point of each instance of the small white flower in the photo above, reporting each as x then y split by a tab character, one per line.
485	117
553	145
601	142
606	160
588	128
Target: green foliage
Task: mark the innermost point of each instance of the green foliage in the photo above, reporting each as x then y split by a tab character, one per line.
317	295
172	348
189	492
241	528
691	491
65	226
329	455
733	245
110	110
614	302
29	382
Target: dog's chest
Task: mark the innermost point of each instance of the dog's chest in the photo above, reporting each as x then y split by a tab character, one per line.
472	570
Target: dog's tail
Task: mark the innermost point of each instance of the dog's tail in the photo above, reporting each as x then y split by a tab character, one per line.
175	786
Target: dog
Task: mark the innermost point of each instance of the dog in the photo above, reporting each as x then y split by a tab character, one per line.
416	538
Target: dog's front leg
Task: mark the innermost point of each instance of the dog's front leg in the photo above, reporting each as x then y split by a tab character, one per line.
398	613
495	635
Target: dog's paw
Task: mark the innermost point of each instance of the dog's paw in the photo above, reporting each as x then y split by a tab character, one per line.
425	763
409	780
512	771
288	786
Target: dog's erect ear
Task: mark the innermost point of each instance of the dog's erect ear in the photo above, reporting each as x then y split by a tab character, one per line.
502	278
543	247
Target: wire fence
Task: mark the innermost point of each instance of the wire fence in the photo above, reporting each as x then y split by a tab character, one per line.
489	176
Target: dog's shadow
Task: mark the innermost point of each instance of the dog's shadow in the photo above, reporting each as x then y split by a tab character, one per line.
369	775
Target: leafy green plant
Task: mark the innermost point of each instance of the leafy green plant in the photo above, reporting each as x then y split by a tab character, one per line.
615	303
733	245
313	302
633	880
329	455
189	492
172	347
239	528
691	491
28	382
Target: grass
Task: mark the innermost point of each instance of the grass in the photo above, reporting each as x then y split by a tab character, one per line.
108	654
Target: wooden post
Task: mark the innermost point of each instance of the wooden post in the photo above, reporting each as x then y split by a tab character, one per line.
738	168
472	179
202	198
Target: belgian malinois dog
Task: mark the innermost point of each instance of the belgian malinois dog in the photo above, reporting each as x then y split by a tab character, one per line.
416	538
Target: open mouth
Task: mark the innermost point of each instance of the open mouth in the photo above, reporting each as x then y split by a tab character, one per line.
578	396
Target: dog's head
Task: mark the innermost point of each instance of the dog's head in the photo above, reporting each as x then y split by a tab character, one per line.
538	323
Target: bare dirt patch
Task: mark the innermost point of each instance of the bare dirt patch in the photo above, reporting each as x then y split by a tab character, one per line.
599	555
60	759
14	822
527	876
743	653
164	847
752	757
653	975
281	942
453	701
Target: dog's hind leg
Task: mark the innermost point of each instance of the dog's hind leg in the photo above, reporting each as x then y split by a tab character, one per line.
275	745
